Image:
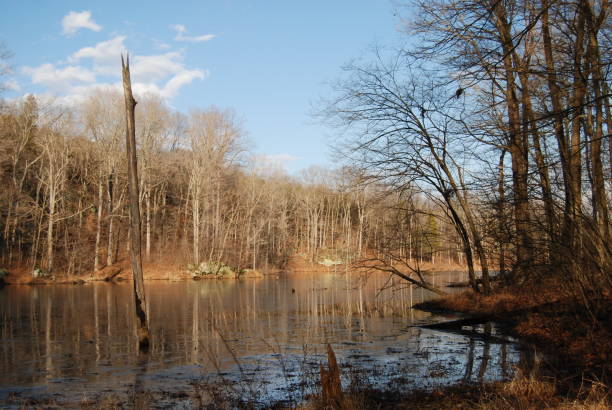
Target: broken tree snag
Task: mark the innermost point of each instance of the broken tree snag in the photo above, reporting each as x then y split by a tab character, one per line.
135	251
331	388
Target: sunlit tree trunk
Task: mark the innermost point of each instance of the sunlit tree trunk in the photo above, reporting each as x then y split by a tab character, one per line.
98	226
110	249
148	225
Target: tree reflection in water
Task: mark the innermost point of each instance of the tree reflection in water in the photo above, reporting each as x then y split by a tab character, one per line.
80	340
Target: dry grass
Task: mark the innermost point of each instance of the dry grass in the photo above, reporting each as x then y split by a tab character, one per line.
523	392
502	302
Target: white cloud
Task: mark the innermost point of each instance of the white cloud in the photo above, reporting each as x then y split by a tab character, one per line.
181	30
106	55
98	66
77	94
58	79
101	50
204	37
181	79
148	71
146	88
74	21
172	86
156	67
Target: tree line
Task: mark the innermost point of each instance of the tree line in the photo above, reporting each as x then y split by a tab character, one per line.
203	196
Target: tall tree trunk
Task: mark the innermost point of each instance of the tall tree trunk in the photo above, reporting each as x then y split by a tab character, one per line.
600	208
135	249
606	102
518	147
148	225
52	195
465	240
98	226
111	228
530	128
501	215
196	227
574	195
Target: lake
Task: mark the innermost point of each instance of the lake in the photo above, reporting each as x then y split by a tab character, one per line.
262	337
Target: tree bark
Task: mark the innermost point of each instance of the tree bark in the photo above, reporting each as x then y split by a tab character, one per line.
111	232
518	147
600	209
50	226
501	215
135	248
98	227
148	225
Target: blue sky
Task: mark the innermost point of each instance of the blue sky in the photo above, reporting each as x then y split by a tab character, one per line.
268	60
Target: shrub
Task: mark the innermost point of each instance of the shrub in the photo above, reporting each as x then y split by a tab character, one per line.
210	268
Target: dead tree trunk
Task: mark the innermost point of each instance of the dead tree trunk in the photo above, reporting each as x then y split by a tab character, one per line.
331	388
135	248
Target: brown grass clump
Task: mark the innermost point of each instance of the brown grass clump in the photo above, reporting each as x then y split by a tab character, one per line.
473	303
499	303
523	392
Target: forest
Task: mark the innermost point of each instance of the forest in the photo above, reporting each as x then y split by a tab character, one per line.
203	196
483	143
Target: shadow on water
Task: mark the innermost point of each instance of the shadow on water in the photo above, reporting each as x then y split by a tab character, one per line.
216	340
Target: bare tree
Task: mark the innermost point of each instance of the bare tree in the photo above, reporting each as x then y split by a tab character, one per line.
152	131
407	134
54	148
214	142
103	122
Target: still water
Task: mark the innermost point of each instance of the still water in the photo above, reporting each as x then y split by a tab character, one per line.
265	336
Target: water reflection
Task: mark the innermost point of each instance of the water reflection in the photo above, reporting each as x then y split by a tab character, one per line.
79	340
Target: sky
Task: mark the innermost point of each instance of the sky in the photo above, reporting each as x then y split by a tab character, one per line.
269	61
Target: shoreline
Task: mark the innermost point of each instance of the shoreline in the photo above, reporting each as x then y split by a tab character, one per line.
579	354
154	271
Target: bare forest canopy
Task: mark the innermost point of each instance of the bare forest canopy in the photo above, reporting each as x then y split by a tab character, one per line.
65	207
485	141
499	113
